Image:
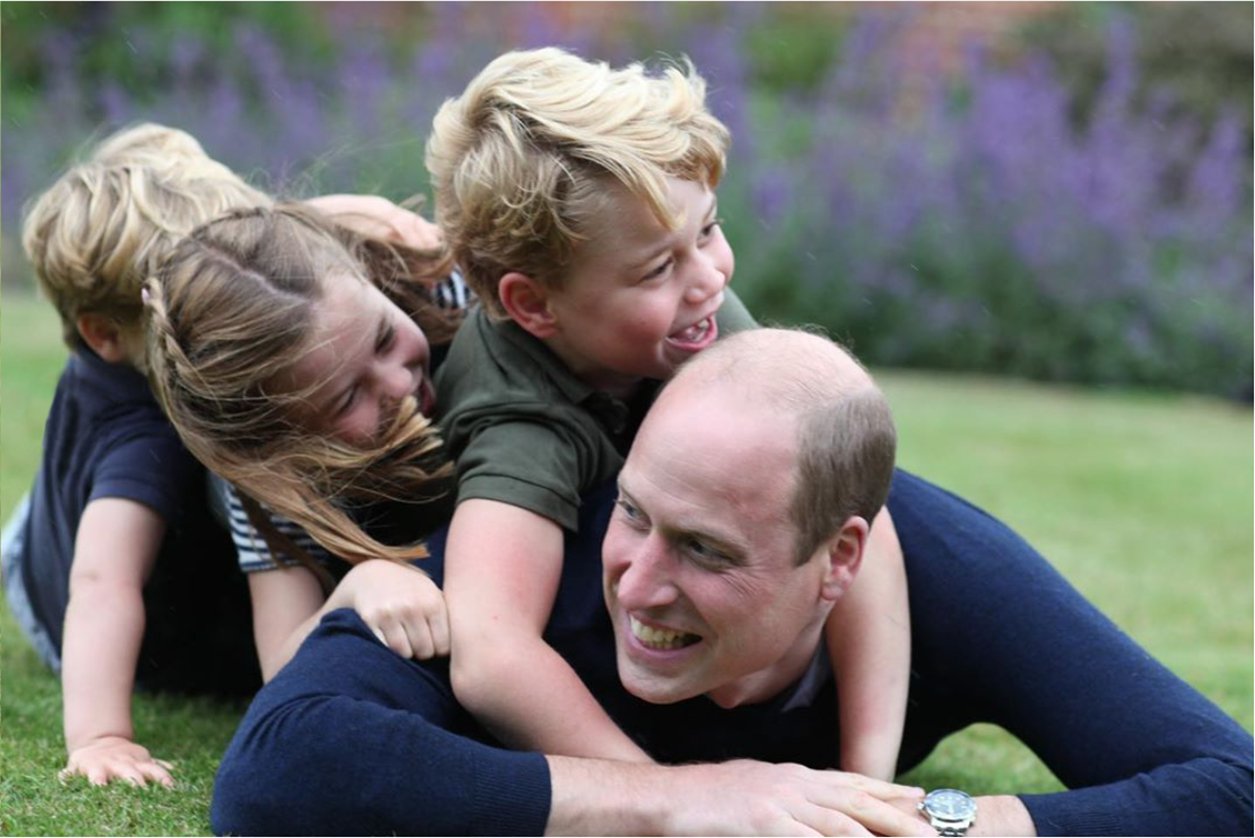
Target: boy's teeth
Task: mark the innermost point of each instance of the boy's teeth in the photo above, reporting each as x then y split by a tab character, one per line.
657	638
693	333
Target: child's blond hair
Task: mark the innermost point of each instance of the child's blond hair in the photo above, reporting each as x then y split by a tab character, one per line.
521	160
231	312
106	224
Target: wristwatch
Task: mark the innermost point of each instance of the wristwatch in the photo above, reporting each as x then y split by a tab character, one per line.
949	811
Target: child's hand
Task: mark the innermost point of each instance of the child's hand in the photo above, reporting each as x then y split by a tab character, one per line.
116	758
401	605
379	218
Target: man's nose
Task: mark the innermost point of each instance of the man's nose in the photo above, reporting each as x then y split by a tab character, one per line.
647	580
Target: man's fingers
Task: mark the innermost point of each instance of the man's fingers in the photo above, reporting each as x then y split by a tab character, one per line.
826	821
871	812
882	788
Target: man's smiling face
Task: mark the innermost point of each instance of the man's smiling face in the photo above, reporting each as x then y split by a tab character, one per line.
700	577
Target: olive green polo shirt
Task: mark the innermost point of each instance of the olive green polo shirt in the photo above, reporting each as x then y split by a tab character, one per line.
524	430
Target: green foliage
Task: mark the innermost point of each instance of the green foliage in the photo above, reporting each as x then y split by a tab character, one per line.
1202	52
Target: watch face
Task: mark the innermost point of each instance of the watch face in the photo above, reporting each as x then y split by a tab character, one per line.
950	804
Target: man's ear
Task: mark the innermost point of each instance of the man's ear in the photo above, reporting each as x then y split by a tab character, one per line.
527	303
843	557
103	336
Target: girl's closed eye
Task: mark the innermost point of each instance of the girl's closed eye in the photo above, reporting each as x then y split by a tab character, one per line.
387	336
345	404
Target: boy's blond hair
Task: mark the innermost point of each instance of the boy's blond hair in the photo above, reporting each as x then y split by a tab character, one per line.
106	224
231	311
521	160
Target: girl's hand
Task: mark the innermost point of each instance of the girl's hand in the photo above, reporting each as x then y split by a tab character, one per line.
116	758
400	604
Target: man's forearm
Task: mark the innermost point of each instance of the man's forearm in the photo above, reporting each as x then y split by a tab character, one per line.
594	797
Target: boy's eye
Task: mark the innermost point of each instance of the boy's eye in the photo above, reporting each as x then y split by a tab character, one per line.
659	271
709	229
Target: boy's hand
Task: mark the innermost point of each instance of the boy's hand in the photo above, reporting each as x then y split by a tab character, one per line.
400	604
116	758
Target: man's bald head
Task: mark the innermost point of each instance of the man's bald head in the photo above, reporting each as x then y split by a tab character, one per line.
820	394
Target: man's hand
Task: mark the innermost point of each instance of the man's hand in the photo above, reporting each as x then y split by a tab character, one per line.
755	798
400	604
116	758
743	797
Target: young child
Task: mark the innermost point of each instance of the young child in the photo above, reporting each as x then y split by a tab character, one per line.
293	356
579	202
114	566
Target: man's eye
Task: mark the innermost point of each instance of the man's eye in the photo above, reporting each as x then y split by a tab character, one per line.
630	512
704	553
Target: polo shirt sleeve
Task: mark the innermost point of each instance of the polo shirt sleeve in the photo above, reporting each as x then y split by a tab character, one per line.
154	470
733	316
539	462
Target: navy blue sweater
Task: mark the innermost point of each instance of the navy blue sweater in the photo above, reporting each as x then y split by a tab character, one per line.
350	739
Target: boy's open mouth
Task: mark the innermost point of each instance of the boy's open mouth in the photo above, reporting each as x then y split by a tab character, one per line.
698	336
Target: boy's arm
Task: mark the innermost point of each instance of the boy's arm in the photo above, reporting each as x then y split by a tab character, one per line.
869	639
502	568
114	551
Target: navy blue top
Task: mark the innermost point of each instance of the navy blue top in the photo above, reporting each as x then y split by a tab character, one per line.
106	437
351	739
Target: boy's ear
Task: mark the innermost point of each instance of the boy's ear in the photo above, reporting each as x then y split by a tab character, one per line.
104	337
527	303
843	555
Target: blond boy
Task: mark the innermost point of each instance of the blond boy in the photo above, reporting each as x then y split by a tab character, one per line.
579	202
114	566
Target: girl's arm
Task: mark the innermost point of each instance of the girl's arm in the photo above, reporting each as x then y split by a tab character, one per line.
869	639
502	567
400	604
114	551
286	602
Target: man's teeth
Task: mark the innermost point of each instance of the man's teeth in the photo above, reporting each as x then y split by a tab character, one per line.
657	638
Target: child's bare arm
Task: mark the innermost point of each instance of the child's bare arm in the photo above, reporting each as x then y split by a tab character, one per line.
285	601
115	547
869	638
502	566
379	218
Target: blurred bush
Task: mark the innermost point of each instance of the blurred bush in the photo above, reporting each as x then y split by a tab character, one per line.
1018	217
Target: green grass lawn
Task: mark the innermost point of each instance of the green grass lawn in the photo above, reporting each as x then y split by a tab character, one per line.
1144	501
